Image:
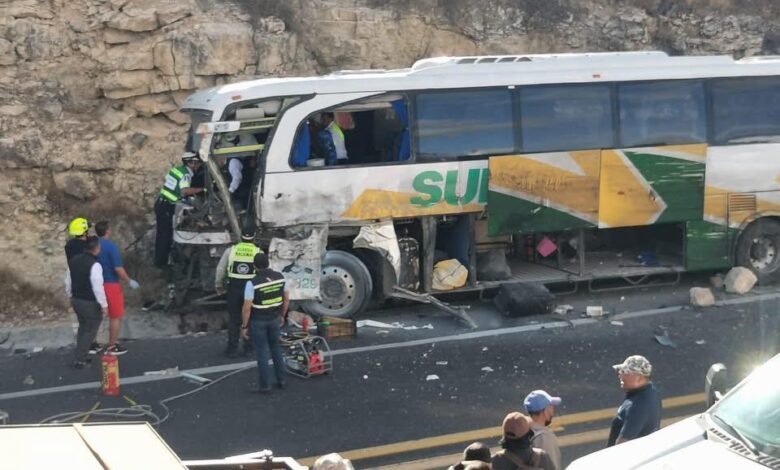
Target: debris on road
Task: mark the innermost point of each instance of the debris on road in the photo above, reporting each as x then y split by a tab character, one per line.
594	311
441	363
740	280
717	281
365	377
485	348
29	380
563	309
702	297
701	341
523	299
487	369
431	377
168	371
616	323
665	340
377	324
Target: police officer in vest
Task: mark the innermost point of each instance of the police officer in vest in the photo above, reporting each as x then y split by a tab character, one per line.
265	307
237	263
176	187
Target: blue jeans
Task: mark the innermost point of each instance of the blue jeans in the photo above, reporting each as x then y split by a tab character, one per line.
265	335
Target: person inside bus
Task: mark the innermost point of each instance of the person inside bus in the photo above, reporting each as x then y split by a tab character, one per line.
331	139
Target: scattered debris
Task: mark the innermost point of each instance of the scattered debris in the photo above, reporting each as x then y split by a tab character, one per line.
365	377
431	377
616	323
441	363
702	297
740	280
701	341
523	299
622	298
594	311
487	369
718	281
665	340
195	378
484	349
563	309
168	371
376	324
29	380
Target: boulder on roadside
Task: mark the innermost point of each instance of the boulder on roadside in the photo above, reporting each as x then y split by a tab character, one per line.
702	297
740	280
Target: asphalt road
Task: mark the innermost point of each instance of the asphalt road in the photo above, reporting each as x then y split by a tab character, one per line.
377	396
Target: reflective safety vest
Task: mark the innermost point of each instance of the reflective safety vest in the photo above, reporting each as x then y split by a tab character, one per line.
175	181
269	292
241	261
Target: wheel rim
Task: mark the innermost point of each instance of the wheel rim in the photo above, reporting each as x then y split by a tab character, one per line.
764	253
337	288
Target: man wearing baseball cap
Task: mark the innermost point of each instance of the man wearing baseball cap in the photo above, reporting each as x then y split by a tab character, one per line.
516	449
540	406
640	413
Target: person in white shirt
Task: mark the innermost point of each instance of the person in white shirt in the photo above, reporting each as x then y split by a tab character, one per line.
235	168
84	287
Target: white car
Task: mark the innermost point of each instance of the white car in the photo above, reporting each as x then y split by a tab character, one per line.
742	430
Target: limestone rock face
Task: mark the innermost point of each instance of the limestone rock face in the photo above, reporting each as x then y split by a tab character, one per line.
89	89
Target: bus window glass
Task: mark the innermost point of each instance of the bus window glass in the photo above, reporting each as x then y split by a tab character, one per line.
464	123
569	117
746	110
662	113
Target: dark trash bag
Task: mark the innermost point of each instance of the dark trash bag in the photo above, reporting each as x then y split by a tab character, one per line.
522	300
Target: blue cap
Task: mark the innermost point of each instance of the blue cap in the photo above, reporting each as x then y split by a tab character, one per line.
538	400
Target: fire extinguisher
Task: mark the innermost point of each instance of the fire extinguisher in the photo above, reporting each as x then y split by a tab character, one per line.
110	375
315	362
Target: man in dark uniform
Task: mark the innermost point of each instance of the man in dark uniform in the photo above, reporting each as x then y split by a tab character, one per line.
237	263
640	412
177	186
265	307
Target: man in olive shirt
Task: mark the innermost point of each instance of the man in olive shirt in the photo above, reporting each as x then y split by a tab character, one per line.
640	413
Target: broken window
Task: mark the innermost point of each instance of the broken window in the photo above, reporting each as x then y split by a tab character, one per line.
369	131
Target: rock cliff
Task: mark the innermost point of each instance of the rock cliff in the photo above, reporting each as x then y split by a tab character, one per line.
89	89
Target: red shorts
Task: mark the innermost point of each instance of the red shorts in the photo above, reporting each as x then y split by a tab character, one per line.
115	298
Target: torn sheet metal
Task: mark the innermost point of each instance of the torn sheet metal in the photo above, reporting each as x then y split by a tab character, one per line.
381	238
299	259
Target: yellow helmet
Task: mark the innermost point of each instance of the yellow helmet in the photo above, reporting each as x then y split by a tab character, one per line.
78	227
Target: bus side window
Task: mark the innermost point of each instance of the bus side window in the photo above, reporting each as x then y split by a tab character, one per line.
662	113
566	117
746	110
468	123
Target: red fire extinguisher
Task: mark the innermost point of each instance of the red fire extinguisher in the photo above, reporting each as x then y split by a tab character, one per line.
110	375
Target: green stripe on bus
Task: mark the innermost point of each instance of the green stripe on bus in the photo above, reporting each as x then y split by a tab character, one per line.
508	214
679	183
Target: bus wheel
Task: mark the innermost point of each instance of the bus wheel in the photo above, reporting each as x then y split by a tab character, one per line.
759	250
345	286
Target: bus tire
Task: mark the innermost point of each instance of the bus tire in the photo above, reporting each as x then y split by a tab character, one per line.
758	249
345	286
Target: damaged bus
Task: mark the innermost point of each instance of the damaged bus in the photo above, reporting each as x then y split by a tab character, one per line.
461	173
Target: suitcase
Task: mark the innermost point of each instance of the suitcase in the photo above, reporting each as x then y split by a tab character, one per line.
523	299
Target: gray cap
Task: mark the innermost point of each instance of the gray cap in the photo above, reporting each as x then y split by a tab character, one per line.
635	365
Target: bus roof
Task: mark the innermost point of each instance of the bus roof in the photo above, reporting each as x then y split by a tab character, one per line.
483	71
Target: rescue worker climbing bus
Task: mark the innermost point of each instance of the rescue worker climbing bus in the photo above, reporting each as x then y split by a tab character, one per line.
537	168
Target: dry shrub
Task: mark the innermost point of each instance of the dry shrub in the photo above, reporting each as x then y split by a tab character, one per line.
21	300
